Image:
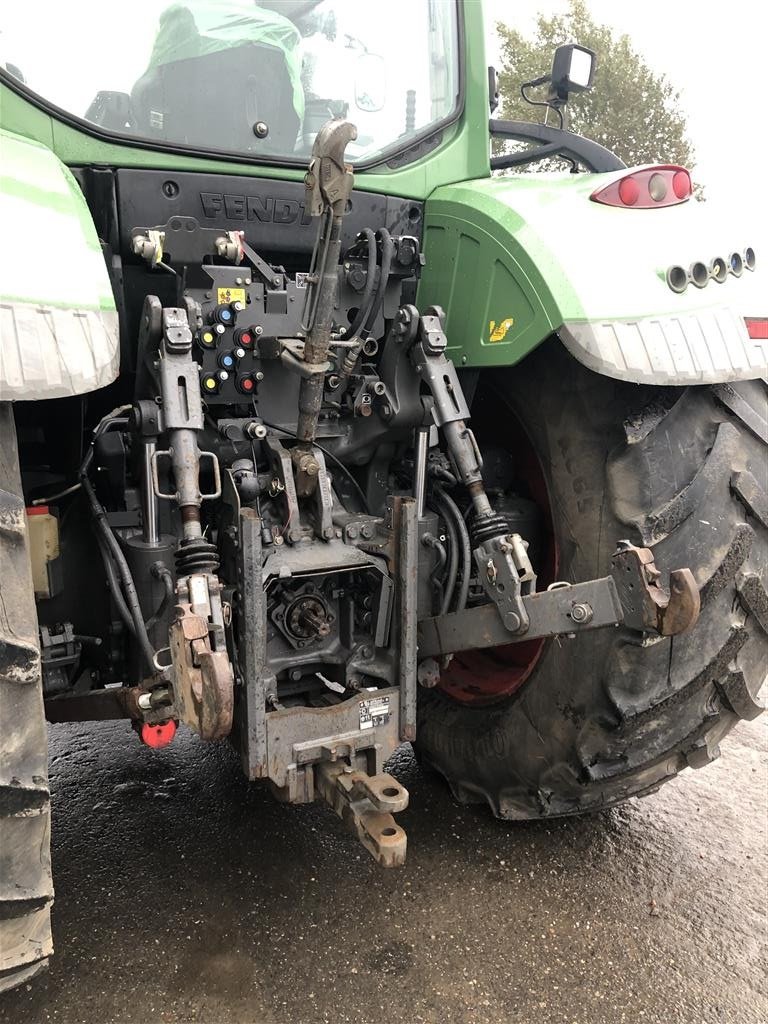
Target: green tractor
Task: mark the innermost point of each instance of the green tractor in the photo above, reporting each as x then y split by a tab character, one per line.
258	278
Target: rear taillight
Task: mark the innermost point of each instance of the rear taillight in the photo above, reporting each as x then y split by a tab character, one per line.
666	185
757	327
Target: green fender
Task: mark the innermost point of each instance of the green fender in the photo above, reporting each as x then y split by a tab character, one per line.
513	259
58	321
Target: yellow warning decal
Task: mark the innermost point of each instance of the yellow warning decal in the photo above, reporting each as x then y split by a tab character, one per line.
498	332
230	295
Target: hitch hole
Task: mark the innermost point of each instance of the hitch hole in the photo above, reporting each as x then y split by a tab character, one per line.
389	831
390	791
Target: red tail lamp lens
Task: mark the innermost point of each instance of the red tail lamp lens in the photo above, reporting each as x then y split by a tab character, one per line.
629	191
666	185
757	327
681	184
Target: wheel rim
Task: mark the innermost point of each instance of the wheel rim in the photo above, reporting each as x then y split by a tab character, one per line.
496	673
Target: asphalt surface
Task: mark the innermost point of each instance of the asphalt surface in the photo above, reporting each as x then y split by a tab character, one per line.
184	895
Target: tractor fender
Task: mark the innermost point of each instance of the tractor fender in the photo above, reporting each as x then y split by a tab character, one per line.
58	321
515	259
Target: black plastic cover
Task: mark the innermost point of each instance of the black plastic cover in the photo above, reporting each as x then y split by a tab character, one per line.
271	213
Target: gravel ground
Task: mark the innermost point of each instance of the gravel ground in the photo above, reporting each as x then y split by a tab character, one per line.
183	894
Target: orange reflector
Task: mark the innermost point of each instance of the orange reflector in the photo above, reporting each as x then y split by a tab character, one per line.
757	327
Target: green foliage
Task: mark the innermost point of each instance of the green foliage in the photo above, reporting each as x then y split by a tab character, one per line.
630	109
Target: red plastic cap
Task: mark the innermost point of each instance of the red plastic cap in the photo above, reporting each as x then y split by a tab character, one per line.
37	510
157	735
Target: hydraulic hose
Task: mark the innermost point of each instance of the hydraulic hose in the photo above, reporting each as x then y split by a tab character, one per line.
387	252
370	281
442	556
129	587
114	587
164	575
452	536
110	542
452	510
368	309
453	566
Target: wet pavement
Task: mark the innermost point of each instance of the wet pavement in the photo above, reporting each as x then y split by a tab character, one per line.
182	894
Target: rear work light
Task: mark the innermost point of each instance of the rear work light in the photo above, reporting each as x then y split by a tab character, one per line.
666	185
757	327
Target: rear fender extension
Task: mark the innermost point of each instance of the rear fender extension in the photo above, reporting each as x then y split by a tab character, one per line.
59	331
515	259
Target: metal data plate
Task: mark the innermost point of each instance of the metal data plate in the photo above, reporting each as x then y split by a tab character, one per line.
297	737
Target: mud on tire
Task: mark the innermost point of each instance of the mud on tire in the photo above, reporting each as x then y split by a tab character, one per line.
26	892
604	717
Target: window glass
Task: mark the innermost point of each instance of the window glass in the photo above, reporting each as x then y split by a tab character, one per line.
256	78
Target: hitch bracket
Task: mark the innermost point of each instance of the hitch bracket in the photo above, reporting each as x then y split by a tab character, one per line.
647	606
366	803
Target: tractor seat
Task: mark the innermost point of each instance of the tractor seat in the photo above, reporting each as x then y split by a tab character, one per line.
214	101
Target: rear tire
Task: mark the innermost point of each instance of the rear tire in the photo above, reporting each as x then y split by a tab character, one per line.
26	891
604	716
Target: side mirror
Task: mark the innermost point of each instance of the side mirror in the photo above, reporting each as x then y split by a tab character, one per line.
370	82
573	70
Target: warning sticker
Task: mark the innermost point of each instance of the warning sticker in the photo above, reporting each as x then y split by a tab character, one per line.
230	295
498	332
374	712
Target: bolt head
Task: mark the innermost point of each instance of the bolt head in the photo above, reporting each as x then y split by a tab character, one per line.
512	621
581	613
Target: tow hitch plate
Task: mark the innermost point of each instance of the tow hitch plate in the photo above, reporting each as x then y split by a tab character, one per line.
366	804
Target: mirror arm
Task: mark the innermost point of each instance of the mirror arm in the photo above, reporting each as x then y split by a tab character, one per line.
590	154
